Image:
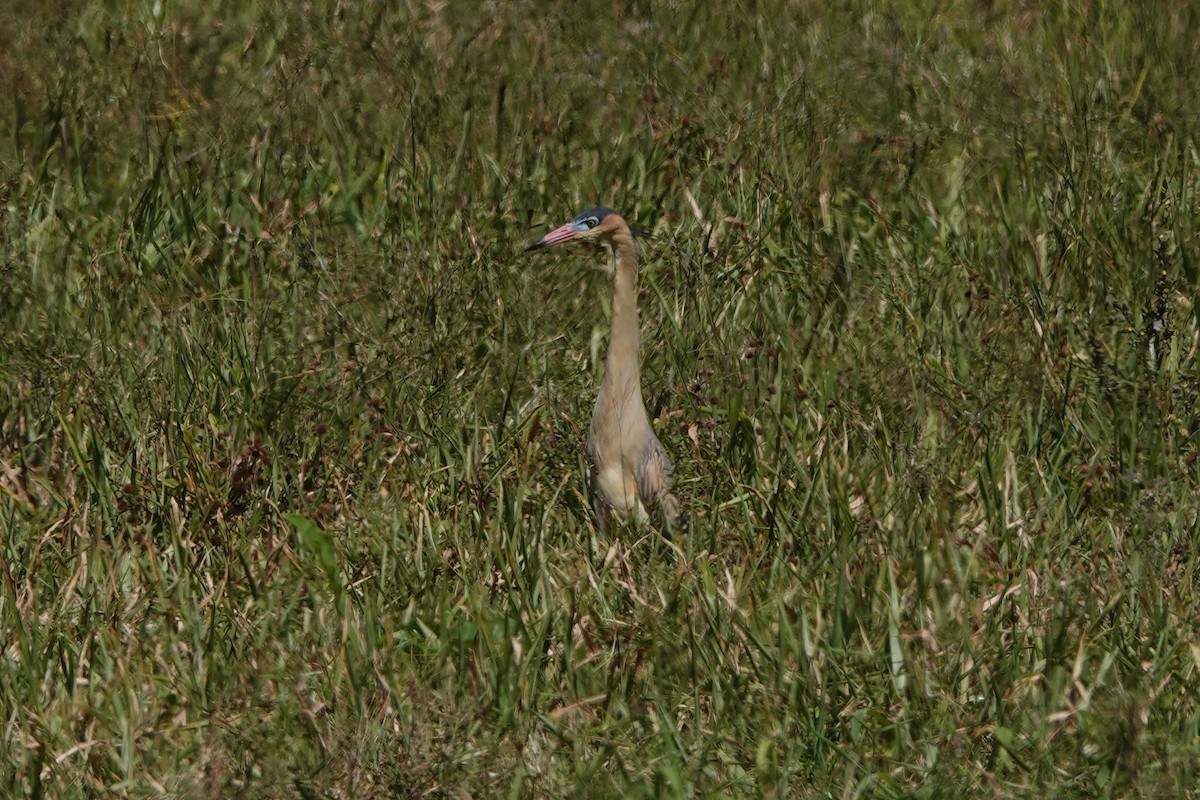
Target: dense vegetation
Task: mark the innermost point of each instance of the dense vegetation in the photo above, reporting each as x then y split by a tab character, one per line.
291	430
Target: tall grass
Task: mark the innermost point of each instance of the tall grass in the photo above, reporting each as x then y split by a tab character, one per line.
290	432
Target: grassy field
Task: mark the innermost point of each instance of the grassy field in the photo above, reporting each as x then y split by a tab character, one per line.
290	433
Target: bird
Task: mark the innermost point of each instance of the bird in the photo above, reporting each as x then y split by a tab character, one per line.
629	472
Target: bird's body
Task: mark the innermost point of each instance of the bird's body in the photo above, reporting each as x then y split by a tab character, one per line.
629	471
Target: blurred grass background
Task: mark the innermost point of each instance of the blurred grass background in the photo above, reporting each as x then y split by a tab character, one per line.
290	432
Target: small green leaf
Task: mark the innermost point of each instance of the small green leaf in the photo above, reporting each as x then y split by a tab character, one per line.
316	540
1004	736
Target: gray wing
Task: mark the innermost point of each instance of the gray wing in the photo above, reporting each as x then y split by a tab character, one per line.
653	477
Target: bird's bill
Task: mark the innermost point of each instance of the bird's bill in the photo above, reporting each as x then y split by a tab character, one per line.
557	236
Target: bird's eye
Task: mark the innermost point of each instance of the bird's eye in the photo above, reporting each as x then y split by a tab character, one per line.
591	222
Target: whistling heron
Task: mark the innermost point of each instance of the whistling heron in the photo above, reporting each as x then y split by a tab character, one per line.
629	474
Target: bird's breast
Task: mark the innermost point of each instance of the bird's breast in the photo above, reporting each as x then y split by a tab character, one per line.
618	490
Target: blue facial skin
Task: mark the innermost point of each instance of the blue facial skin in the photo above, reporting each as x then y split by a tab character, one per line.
585	221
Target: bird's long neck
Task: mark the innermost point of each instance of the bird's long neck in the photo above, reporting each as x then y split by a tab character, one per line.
622	371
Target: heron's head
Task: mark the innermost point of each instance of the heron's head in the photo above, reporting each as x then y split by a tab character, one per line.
595	223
